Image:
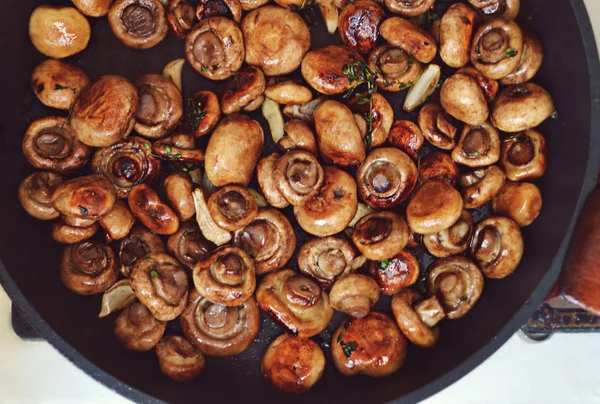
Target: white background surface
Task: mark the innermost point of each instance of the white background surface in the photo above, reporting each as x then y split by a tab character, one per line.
562	370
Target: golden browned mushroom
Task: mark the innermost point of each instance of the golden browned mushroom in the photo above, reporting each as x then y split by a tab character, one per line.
86	197
215	48
531	61
242	89
497	246
269	239
295	302
488	86
161	284
520	107
359	24
298	175
403	34
480	186
298	135
435	207
220	330
382	116
248	5
264	175
323	68
380	235
479	146
57	83
520	201
104	113
179	147
118	222
225	8
497	8
50	144
139	24
462	97
497	48
409	8
438	165
78	221
406	136
181	17
69	234
188	245
232	151
287	91
386	178
178	358
338	136
417	318
93	8
276	39
138	244
151	211
232	207
202	113
88	267
35	194
437	126
396	273
354	295
293	364
58	32
453	240
178	189
160	106
372	346
524	156
456	28
127	163
457	282
332	208
137	330
396	69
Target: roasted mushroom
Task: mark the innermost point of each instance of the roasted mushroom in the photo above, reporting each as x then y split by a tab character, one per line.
232	207
93	8
241	90
57	83
295	302
127	163
138	244
178	189
58	32
178	358
456	29
68	234
380	235
86	197
524	156
497	246
372	346
287	92
406	136
269	239
50	144
453	240
386	178
35	194
457	282
264	175
137	330
118	222
179	147
396	69
396	273
438	165
437	126
225	8
232	151
88	267
215	48
188	245
480	186
160	106
520	107
104	113
248	5
497	48
435	207
520	201
403	34
382	115
354	295
462	97
276	39
409	8
323	68
488	86
220	330
202	113
161	284
298	175
479	146
359	24
139	24
497	8
417	318
151	211
298	136
531	61
181	17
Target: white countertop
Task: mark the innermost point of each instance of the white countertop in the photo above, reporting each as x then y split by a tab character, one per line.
561	370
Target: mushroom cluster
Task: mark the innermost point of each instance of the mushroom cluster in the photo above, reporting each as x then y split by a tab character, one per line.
193	209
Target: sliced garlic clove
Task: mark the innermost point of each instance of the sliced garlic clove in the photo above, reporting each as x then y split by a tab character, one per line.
207	225
330	15
196	176
363	210
119	296
423	88
260	200
173	70
272	113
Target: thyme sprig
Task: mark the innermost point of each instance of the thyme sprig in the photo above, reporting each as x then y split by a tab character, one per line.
359	72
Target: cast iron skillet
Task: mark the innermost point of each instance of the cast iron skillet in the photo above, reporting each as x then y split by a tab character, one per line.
29	268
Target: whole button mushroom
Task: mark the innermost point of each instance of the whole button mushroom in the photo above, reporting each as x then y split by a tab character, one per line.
178	358
453	240
57	83
178	189
488	86
65	233
225	8
188	245
456	29
480	186
264	175
396	273
139	243
203	113
524	156
396	69
437	126
409	8
298	135
323	68
35	194
407	136
435	207
520	107
87	197
380	235
139	24
462	97
359	24
478	146
137	330
160	106
93	8
298	175
497	48
179	147
417	318
438	165
405	35
118	222
242	90
88	267
232	207
151	211
249	5
520	201
286	91
381	112
354	295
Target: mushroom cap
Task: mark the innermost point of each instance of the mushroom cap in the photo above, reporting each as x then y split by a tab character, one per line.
354	295
481	185
520	201
58	32
181	17
453	240
93	8
246	86
524	156
86	197
396	69
151	211
358	24
178	190
435	207
406	136
232	207
438	165
496	48
264	175
285	91
411	325
57	83
188	245
118	222
531	61
323	68
203	113
67	234
178	359
160	106
139	24
298	175
298	135
381	112
409	8
462	97
437	126
88	267
520	107
396	273
455	31
479	146
403	34
138	243
35	194
380	235
137	330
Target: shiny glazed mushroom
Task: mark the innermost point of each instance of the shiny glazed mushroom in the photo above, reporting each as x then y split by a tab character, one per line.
403	34
181	17
292	364
179	147
478	146
88	267
396	69
382	116
437	126
372	346
188	245
520	201
226	8
137	330
248	5
359	24
354	295
298	175
58	32
287	92
524	156
160	106
65	233
438	165
323	68
138	244
118	222
380	235
232	207
531	61
488	86
178	358
269	239
497	246
409	8
264	175
298	135
386	178
215	48
462	97
203	113
87	197
220	330
93	8
520	107
276	39
453	240
104	112
396	273
178	189
294	301
497	8
161	284
151	211
497	48
35	194
455	31
480	186
417	318
435	207
242	90
139	24
406	136
57	83
50	144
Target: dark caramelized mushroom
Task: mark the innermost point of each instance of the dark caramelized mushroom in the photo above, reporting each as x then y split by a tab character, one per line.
359	24
382	116
202	113
188	245
264	175
438	165
87	197
118	222
405	35
139	24
462	97
531	61
243	89
178	359
68	234
232	207
480	186
520	107
406	136
455	31
409	8
479	146
396	273
497	48
178	189
298	135
298	175
269	239
160	106
380	235
57	83
179	147
323	68
35	194
354	295
520	201
137	245
497	246
181	17
396	69
88	267
151	211
435	207
137	330
437	126
417	318
295	302
453	240
224	8
497	8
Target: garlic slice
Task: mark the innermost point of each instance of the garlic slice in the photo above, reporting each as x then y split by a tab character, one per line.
260	200
272	113
207	225
363	210
119	296
173	70
330	15
423	88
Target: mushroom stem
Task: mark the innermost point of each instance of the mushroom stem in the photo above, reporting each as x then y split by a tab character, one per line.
430	311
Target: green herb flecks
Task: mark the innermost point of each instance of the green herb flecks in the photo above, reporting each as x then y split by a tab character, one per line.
341	334
464	298
195	113
59	87
154	272
510	52
170	154
204	68
149	259
83	210
383	265
348	348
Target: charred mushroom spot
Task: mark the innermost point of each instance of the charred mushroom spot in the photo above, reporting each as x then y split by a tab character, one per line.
338	193
331	262
212	8
488	245
493	45
170	283
138	20
208	49
260	239
233	205
383	178
301	291
126	168
374	230
302	176
229	269
191	247
52	143
394	62
90	258
39	87
132	249
521	152
476	143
